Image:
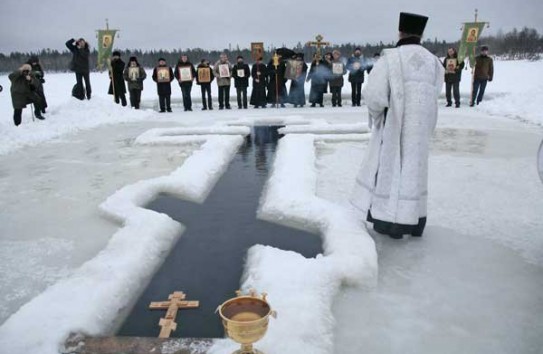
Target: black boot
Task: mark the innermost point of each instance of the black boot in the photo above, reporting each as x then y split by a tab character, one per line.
37	113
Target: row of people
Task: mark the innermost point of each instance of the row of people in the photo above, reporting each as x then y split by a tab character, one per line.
268	81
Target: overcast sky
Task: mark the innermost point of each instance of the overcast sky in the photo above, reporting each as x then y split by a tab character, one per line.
30	25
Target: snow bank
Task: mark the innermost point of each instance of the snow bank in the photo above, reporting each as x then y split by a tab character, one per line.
302	290
96	296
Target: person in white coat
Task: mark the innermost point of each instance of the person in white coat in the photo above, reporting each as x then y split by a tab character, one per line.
401	96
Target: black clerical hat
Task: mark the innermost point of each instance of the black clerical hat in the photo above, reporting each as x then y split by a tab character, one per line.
412	23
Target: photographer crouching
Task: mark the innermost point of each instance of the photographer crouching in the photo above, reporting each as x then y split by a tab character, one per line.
24	90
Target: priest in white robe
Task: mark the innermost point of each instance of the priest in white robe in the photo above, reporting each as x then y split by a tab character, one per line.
401	96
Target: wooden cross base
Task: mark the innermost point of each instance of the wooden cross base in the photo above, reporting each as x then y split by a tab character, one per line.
176	302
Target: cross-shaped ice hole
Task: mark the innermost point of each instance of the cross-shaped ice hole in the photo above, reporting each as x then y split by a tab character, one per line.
207	261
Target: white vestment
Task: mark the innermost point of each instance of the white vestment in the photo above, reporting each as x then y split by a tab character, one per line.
401	95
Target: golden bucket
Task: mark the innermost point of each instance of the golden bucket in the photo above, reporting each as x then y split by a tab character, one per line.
245	320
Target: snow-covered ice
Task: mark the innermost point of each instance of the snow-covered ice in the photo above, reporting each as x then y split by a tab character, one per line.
472	284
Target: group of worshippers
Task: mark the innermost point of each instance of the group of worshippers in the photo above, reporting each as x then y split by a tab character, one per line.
269	82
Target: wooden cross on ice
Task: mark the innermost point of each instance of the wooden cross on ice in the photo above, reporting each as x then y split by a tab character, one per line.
176	302
318	43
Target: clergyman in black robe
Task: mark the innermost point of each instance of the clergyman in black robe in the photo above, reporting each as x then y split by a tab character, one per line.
259	73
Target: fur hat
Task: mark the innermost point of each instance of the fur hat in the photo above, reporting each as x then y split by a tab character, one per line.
116	53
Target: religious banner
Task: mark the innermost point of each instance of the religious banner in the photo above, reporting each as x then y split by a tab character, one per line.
257	50
185	73
468	43
204	75
105	45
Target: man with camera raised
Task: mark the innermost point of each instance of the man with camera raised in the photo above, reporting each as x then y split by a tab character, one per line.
24	85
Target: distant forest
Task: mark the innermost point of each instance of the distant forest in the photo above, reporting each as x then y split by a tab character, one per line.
524	44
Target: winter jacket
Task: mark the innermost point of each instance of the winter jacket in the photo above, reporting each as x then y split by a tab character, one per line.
117	78
356	66
211	76
136	82
163	88
177	72
453	75
222	81
22	90
80	58
484	68
241	81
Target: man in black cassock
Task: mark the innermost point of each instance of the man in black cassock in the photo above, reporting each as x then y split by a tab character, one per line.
259	73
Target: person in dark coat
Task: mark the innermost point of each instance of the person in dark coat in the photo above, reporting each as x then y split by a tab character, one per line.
24	86
204	79
163	76
80	64
453	73
484	72
277	89
259	73
317	75
241	74
336	79
116	83
356	65
185	81
297	86
134	75
38	72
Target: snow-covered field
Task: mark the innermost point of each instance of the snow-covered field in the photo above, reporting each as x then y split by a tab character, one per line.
72	231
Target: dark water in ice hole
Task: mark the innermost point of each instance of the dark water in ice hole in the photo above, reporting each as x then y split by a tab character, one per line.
207	261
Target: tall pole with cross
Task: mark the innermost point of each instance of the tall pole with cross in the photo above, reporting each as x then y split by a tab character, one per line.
318	43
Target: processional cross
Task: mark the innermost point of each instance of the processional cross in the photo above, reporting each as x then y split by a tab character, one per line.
318	43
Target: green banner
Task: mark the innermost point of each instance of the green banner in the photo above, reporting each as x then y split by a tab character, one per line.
468	43
105	46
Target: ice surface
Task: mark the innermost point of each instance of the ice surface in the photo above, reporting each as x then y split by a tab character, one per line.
58	187
473	283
